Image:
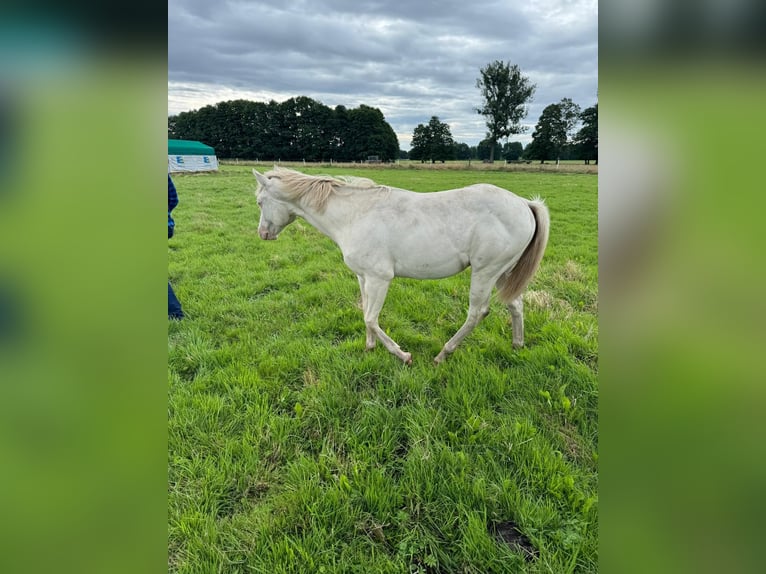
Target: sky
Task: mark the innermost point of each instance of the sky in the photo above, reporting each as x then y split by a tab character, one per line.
412	59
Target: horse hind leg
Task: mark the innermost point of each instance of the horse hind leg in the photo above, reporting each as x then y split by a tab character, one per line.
516	308
374	296
478	308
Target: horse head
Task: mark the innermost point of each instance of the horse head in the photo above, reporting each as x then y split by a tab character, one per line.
276	211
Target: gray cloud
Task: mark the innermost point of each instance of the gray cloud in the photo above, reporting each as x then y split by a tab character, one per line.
410	59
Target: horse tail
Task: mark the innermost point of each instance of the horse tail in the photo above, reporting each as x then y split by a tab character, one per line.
513	282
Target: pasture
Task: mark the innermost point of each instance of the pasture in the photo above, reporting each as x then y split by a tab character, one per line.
292	449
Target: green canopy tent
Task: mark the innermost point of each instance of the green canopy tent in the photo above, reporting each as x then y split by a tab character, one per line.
188	155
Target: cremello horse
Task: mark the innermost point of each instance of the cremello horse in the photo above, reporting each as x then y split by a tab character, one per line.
384	232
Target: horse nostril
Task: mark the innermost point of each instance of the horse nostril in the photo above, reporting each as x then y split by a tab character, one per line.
265	234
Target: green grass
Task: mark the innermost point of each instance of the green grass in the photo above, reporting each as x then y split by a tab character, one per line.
291	449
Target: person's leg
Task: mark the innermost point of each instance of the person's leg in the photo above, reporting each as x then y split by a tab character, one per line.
174	305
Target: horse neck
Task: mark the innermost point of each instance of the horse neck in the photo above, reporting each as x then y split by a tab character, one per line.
332	219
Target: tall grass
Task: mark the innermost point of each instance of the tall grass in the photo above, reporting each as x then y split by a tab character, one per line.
291	449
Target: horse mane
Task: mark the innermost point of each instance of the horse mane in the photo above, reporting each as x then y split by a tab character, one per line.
316	190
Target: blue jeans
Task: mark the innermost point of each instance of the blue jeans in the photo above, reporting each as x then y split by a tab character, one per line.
174	305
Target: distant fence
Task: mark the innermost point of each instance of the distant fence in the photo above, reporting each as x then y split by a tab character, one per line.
478	165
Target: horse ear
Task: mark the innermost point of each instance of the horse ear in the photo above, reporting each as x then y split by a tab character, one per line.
262	179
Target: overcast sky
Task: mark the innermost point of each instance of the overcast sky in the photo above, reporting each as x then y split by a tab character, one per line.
412	59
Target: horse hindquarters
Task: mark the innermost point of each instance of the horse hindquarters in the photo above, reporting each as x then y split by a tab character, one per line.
512	283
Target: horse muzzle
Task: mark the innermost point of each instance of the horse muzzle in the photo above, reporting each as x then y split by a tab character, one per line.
264	233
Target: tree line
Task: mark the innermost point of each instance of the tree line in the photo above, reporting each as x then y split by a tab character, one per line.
294	130
554	139
304	129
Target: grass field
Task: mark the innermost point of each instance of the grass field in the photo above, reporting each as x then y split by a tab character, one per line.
291	449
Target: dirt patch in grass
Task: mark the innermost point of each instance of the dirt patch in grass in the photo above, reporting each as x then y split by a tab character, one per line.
508	533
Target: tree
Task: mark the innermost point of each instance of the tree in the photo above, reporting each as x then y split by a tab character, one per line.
551	135
586	140
420	145
486	151
442	144
370	135
432	142
340	135
570	116
512	151
506	94
462	151
172	127
309	125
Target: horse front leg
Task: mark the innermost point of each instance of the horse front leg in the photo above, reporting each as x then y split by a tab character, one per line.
375	291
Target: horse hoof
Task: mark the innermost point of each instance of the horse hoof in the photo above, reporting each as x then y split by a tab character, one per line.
407	358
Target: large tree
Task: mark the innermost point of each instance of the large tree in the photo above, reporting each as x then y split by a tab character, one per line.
506	94
549	135
586	139
552	132
419	149
372	135
432	142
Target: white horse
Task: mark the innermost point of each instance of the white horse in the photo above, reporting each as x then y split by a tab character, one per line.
385	232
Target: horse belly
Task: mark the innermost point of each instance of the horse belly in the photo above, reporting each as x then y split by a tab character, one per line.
419	263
